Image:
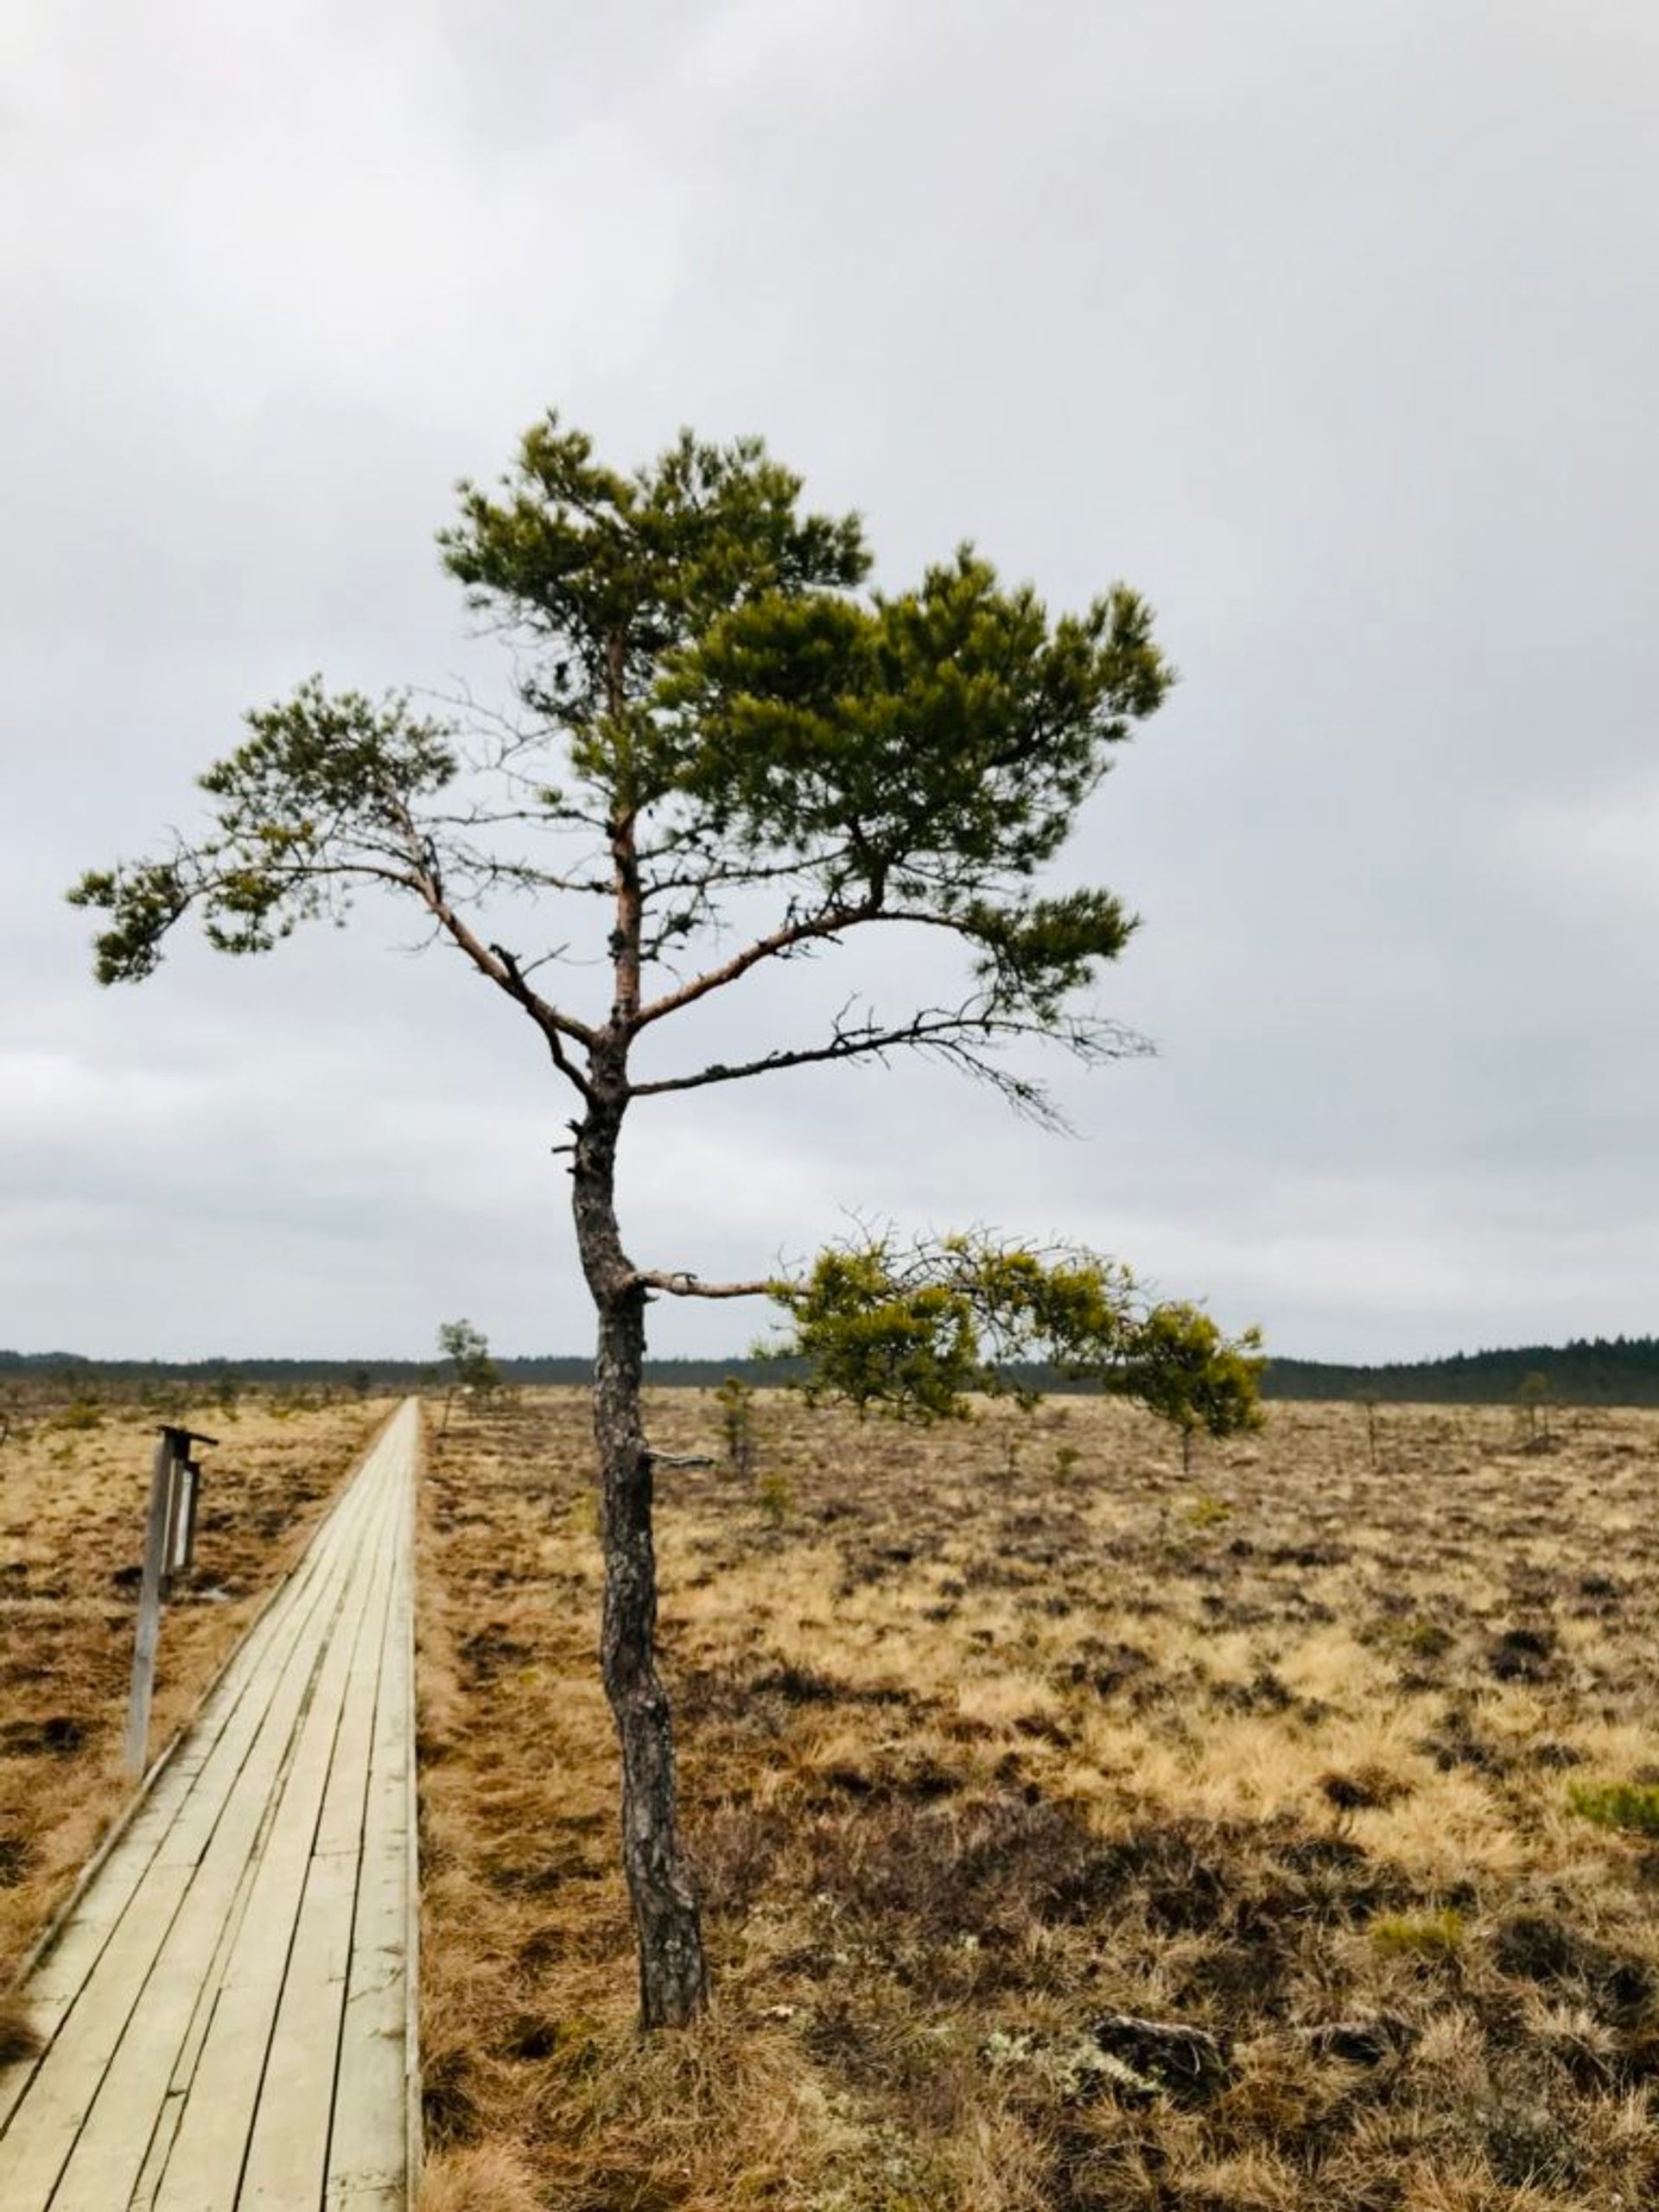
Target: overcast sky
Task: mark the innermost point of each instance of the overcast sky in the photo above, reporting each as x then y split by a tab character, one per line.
1332	325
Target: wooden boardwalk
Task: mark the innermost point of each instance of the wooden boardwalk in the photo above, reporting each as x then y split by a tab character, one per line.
227	2011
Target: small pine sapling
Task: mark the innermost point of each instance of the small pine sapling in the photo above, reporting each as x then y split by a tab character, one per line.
1533	1398
468	1365
1368	1402
735	1399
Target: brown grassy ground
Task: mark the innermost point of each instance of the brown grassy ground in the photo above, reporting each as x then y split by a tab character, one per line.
988	1733
74	1483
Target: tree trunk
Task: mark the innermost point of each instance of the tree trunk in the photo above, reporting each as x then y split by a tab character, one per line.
673	1979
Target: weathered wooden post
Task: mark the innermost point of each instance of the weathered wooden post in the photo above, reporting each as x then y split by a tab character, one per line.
170	1542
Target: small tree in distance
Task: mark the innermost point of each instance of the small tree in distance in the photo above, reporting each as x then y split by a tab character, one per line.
1184	1369
735	1399
1533	1396
466	1353
1370	1402
724	755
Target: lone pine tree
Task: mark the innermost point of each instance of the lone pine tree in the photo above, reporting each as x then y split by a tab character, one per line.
465	1354
714	719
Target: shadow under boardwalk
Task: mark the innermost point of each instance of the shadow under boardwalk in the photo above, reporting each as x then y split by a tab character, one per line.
226	2013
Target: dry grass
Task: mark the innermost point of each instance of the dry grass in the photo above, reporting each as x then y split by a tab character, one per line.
18	2036
74	1482
974	1755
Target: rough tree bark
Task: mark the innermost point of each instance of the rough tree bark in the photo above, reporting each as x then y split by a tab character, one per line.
673	1977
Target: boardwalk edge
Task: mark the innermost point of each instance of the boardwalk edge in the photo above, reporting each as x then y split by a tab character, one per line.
415	2139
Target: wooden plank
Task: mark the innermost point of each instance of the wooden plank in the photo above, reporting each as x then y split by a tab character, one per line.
214	2132
31	2155
161	2144
288	2151
54	1984
193	1829
288	2147
164	2138
369	2150
340	1827
161	2140
413	2101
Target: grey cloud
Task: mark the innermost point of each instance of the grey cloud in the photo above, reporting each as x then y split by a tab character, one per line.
1331	328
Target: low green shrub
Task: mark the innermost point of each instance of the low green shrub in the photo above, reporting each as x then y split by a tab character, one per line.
1420	1935
1632	1806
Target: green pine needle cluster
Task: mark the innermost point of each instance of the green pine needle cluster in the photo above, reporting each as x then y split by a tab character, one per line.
918	1331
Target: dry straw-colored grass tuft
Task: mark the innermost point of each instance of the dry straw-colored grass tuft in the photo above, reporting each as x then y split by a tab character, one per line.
487	2177
18	2038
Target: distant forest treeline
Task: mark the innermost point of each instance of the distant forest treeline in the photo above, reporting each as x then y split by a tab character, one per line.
1589	1371
1601	1371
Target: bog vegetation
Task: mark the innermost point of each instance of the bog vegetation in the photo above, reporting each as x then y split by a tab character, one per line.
1076	1836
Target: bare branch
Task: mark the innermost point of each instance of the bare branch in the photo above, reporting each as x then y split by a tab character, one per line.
964	1037
791	936
812	929
498	966
519	990
681	1283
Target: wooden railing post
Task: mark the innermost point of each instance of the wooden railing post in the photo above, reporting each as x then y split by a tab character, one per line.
170	1544
150	1604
